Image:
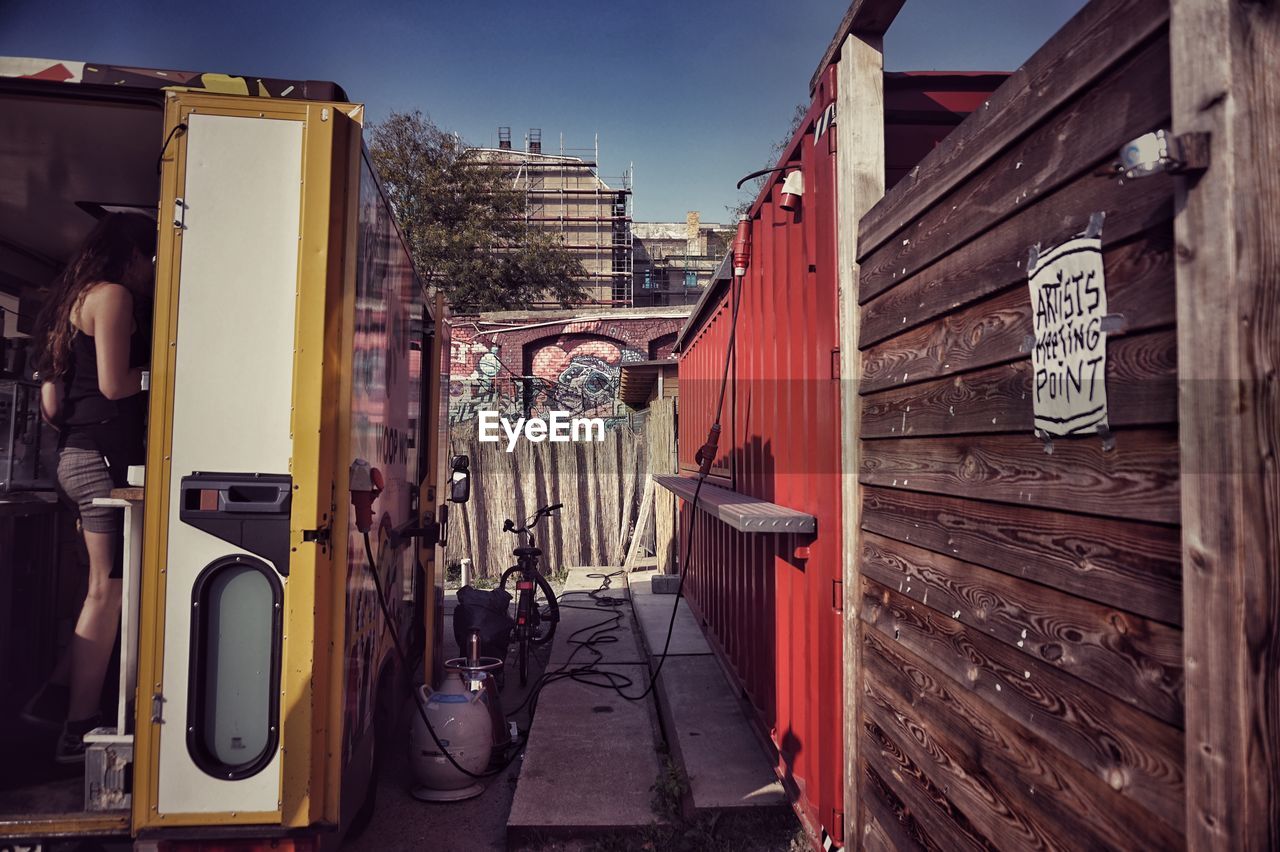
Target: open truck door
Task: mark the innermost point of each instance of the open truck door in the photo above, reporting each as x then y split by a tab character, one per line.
242	603
255	657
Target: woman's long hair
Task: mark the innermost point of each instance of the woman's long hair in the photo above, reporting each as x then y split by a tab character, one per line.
104	256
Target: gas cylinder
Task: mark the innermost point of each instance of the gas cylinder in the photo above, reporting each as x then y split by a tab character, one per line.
459	714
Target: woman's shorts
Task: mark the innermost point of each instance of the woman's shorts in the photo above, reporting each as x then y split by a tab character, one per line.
83	475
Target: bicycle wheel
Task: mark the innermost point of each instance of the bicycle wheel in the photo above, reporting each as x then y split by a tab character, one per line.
544	614
549	612
522	654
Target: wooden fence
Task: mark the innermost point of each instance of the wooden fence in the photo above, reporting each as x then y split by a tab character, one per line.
661	434
1020	677
600	485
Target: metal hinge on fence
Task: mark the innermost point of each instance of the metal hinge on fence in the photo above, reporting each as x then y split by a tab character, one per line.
157	708
837	595
835	362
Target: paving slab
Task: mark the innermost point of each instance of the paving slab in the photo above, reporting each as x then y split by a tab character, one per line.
654	614
580	612
590	761
725	762
588	578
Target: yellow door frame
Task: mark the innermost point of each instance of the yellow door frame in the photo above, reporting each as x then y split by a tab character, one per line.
311	672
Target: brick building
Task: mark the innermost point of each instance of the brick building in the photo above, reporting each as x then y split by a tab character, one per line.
522	363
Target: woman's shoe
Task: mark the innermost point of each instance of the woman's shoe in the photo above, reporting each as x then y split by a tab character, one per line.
71	747
48	707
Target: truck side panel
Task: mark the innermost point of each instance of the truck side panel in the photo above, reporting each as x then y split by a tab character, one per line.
380	423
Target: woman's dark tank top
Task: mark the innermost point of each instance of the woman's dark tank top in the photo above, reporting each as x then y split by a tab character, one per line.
115	428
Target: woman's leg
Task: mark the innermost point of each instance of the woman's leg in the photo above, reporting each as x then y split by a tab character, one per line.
96	628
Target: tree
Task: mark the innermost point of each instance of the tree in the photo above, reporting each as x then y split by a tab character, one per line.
464	222
751	189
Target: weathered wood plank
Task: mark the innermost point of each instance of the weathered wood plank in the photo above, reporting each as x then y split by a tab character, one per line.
1137	480
1224	58
1139	288
969	789
916	703
860	176
894	818
865	18
1132	566
876	839
929	806
1142	390
1134	753
1131	99
1076	55
1131	658
997	258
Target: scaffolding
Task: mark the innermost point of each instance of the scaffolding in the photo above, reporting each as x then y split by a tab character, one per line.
564	193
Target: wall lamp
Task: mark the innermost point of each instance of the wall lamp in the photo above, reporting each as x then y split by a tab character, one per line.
1161	152
792	186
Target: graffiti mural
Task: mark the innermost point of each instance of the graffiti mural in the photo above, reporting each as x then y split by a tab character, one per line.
103	74
528	366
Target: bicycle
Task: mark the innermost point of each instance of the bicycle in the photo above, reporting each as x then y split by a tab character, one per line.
535	620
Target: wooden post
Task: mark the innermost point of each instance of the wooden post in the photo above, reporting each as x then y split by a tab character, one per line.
860	178
1224	57
642	523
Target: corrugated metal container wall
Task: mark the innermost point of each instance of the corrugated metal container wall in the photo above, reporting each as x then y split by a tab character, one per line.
768	606
770	602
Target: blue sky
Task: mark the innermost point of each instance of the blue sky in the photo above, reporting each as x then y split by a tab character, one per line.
693	93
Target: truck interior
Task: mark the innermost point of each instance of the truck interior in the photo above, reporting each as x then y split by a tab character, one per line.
64	161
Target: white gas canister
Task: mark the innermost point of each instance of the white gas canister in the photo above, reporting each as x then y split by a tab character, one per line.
460	717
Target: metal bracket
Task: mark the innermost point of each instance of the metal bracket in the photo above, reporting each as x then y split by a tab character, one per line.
1093	230
1047	439
1114	323
1108	439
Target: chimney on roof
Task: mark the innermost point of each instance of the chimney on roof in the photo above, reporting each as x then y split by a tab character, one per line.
693	229
535	140
504	138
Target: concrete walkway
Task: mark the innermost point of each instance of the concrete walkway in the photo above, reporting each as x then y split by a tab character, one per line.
592	755
706	727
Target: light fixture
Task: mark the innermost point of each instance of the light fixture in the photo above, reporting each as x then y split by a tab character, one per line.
1159	151
792	189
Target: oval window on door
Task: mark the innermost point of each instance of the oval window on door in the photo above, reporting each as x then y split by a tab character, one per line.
233	701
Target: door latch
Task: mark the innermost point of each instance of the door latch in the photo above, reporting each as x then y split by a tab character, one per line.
317	536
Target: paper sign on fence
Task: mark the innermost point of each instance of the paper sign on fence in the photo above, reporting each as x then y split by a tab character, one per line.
1069	360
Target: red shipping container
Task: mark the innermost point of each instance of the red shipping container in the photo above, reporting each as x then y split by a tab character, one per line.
771	602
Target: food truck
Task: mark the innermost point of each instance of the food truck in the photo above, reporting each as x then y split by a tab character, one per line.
291	339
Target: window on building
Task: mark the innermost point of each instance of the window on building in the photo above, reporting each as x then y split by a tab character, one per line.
691	279
649	282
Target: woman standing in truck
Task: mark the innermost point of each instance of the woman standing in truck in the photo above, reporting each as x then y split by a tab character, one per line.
95	342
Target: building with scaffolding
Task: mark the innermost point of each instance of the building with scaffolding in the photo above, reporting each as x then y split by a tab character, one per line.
675	261
564	193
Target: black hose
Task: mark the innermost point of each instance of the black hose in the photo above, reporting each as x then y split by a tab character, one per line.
613	680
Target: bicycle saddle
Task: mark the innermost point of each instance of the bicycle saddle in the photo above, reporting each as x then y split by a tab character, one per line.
522	551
